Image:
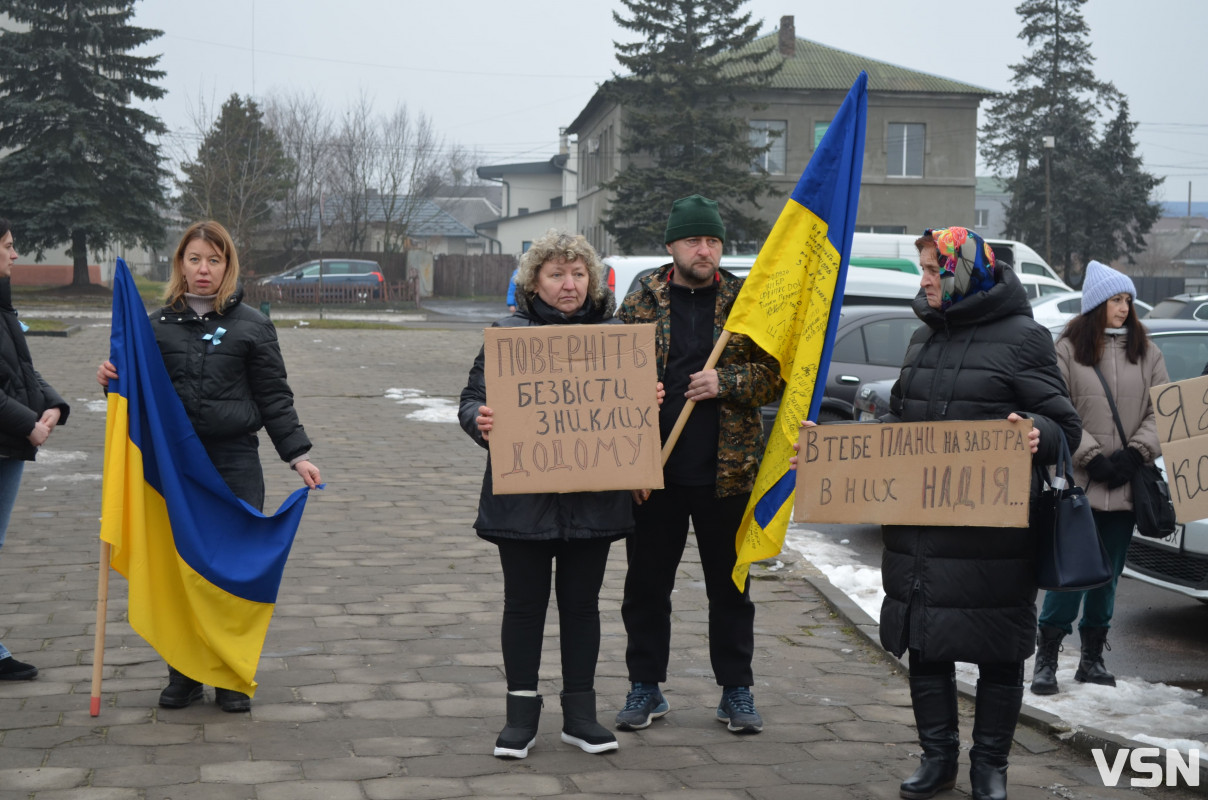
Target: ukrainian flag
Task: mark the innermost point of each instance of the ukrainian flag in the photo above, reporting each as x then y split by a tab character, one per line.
203	566
789	305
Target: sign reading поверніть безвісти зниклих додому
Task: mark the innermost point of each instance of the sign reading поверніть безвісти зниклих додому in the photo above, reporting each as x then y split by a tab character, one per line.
576	408
916	473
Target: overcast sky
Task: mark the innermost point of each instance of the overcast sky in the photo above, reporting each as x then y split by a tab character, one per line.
503	77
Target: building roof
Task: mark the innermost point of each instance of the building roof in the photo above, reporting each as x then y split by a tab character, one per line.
817	66
988	184
814	66
426	219
552	166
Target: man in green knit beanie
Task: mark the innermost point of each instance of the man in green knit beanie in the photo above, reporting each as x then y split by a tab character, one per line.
707	478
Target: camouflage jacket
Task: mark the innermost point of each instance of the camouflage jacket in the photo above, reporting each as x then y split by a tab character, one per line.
747	376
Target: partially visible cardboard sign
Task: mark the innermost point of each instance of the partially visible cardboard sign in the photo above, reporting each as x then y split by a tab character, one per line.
575	408
916	473
1181	411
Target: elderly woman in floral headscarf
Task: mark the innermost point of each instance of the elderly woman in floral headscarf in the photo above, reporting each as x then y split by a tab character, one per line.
965	593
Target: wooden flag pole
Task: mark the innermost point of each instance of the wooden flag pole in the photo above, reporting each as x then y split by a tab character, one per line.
98	646
686	411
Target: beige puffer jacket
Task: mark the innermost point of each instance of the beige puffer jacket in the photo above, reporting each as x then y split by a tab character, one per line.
1130	388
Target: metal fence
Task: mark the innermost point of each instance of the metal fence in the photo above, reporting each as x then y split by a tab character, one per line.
392	293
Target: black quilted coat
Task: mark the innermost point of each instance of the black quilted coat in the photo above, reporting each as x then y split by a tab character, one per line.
24	394
234	383
969	593
544	516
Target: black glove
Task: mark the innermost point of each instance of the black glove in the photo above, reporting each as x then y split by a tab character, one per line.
1102	470
1126	461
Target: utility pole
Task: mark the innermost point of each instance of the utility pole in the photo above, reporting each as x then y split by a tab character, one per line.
1049	143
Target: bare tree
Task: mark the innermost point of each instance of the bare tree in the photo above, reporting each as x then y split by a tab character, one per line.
409	173
305	130
354	167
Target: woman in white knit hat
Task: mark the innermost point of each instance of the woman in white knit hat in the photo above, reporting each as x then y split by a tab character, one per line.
1106	339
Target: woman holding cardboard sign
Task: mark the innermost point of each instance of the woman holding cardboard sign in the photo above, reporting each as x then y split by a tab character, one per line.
559	282
968	593
1103	349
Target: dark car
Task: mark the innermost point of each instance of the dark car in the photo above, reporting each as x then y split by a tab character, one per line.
870	344
337	273
1181	306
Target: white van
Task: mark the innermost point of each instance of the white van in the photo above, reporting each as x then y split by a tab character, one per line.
898	247
865	285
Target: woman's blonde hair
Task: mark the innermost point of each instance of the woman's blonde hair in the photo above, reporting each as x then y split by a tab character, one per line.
566	247
217	236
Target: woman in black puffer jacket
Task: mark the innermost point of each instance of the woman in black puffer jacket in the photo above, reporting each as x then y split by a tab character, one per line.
968	593
225	363
30	409
559	282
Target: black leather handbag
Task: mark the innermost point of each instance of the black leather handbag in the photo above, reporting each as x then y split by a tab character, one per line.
1070	556
1152	504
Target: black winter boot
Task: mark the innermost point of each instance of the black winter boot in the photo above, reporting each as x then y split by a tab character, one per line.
180	691
1044	672
579	726
1090	666
933	698
231	701
994	721
520	732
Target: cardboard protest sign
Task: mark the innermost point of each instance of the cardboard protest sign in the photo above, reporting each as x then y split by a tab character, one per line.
575	408
1181	411
916	473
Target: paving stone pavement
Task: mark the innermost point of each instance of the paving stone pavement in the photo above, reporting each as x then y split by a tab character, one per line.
381	677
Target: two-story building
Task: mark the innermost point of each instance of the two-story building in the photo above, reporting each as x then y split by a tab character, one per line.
537	196
920	146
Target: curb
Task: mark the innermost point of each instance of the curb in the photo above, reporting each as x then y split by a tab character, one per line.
1082	738
68	331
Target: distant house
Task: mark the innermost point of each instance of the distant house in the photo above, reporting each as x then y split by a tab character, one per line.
990	207
472	206
427	225
537	196
920	149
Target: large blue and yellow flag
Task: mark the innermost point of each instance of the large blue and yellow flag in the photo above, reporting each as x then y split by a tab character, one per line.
203	566
790	306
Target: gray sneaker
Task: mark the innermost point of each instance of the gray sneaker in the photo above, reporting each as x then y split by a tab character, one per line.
737	710
643	704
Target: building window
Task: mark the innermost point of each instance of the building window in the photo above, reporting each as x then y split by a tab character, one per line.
905	149
762	133
819	132
981	218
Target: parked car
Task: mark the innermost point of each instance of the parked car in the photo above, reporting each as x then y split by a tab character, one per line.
335	272
870	343
1182	306
1038	286
1054	310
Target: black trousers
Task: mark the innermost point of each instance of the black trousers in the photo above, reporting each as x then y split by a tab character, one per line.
1001	673
654	551
527	567
238	462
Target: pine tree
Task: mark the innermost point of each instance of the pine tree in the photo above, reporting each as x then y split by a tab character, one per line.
1129	212
684	130
80	168
1057	94
239	174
